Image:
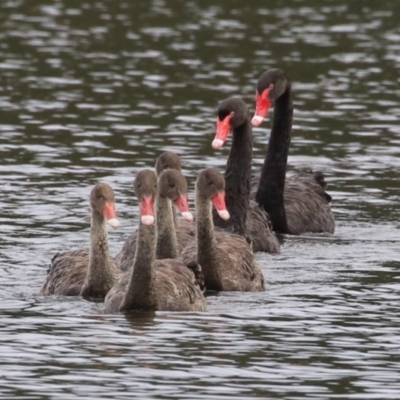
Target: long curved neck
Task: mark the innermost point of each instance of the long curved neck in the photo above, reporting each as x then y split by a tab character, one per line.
140	294
237	177
206	245
99	277
167	243
272	183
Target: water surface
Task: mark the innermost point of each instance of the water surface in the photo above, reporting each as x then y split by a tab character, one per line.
94	91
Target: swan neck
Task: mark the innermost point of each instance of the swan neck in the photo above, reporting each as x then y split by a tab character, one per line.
237	177
270	193
99	277
167	242
140	294
206	244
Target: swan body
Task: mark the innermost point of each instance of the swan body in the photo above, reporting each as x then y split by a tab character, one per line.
88	273
248	219
226	259
298	204
166	284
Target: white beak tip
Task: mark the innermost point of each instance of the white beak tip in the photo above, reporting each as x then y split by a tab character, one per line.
217	144
113	222
257	120
187	215
147	219
224	214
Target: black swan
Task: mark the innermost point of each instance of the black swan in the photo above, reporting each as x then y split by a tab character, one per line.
298	204
167	284
184	229
247	218
226	259
89	274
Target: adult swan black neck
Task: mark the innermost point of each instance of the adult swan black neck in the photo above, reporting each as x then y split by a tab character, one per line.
299	204
234	115
247	218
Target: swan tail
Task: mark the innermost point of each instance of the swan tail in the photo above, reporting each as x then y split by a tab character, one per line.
198	274
320	179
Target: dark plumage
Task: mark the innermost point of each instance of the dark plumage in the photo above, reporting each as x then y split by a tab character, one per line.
90	273
298	204
226	259
166	284
247	218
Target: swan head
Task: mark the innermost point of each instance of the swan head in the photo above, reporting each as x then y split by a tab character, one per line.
102	200
270	86
145	187
210	185
263	104
223	130
173	185
167	160
232	113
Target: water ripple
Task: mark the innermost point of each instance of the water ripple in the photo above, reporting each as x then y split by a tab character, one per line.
95	91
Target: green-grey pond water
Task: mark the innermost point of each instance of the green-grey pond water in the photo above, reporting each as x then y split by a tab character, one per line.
95	90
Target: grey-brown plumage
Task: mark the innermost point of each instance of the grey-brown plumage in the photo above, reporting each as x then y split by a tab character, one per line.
88	273
185	234
167	284
295	205
172	194
168	160
173	284
247	218
185	230
226	259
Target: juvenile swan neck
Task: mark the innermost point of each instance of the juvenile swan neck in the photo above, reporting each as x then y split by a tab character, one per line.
237	177
167	242
140	294
99	277
206	245
270	192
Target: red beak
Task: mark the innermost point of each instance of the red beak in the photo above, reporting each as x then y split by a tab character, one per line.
223	129
220	205
182	203
263	104
110	216
109	211
147	210
183	206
